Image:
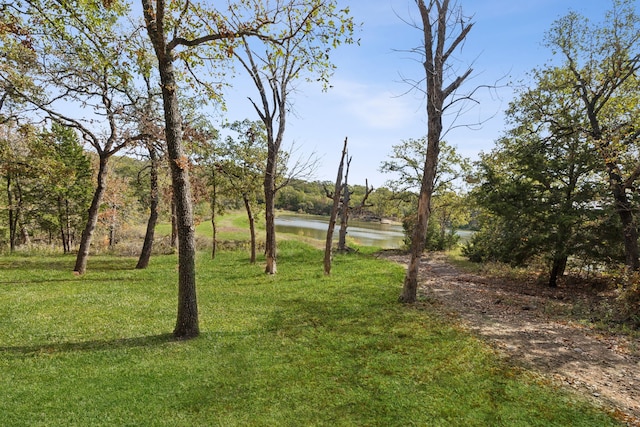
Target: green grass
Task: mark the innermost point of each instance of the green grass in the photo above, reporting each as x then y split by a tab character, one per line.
295	349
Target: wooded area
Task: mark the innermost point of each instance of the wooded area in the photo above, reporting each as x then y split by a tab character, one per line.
85	152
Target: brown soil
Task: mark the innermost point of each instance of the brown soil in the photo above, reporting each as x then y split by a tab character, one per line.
522	322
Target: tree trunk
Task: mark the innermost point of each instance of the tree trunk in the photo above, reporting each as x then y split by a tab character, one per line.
92	220
214	235
629	226
187	319
557	270
69	235
337	190
61	223
434	106
13	217
174	223
410	287
147	246
112	233
270	217
344	211
65	225
187	322
252	228
25	238
435	66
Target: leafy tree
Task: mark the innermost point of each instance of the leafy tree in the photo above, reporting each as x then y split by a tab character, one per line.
448	208
191	31
306	31
603	61
82	61
438	20
69	185
16	168
541	184
242	163
17	59
116	208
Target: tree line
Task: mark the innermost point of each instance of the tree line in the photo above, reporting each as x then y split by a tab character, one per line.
561	183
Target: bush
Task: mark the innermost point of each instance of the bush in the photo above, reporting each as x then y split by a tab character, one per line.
436	239
629	298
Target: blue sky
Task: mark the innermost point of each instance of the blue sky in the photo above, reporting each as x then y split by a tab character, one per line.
367	105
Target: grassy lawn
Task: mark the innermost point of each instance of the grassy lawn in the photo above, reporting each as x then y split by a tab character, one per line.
295	349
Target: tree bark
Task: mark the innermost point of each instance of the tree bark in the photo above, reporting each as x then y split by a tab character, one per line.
410	287
629	226
61	223
173	242
557	270
214	228
252	228
269	199
344	211
187	320
337	190
92	220
436	57
13	216
147	246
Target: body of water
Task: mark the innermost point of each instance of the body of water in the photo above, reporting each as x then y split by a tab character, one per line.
386	236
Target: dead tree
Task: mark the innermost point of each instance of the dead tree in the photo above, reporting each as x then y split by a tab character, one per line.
346	209
334	211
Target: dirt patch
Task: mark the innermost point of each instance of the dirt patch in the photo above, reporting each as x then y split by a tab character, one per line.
515	319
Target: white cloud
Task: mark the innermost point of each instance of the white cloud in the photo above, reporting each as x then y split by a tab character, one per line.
375	107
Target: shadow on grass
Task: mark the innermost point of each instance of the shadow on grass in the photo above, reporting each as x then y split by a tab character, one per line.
44	263
94	345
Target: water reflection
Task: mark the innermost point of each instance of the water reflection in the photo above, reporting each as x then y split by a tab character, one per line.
386	236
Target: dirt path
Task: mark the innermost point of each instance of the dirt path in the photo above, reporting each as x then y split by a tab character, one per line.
512	317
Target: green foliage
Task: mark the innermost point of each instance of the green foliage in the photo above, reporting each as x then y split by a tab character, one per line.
407	162
540	189
438	238
305	197
449	209
297	347
629	298
48	182
63	203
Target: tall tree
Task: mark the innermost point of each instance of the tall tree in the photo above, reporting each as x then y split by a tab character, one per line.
150	125
306	32
16	169
438	19
541	184
80	56
604	60
69	187
242	163
406	162
335	196
175	31
154	203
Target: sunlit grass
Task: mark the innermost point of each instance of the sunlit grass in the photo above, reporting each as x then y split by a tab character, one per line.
294	349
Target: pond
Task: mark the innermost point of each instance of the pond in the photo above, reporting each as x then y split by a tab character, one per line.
365	233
